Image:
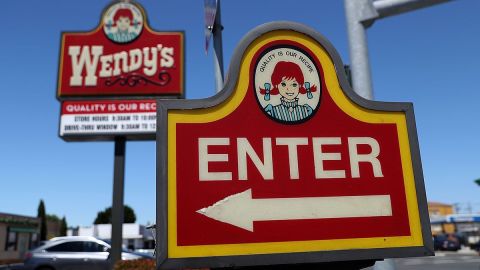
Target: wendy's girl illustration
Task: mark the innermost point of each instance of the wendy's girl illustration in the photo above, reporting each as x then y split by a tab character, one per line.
123	22
287	80
123	19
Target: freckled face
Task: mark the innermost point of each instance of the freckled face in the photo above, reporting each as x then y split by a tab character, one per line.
289	88
123	23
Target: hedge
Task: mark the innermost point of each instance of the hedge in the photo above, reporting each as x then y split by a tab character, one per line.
141	264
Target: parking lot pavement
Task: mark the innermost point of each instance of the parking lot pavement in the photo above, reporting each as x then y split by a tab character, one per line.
461	260
467	250
464	259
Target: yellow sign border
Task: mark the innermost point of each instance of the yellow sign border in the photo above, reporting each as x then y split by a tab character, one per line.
341	100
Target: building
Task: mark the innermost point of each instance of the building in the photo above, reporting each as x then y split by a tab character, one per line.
443	219
135	236
440	209
17	235
438	212
467	225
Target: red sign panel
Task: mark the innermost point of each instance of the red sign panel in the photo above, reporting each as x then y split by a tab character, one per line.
330	156
122	57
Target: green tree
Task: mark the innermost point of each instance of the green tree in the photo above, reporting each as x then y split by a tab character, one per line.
105	216
63	227
53	217
41	213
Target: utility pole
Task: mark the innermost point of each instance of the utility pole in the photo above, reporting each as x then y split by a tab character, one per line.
360	15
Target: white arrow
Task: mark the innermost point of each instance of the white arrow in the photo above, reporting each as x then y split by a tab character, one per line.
241	210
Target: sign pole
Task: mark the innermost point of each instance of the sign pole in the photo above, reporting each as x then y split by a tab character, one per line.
117	203
218	50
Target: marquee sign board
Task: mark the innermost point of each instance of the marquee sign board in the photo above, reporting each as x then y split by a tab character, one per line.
94	120
287	164
123	56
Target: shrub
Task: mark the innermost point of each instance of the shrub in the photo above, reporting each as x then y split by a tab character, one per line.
142	264
10	261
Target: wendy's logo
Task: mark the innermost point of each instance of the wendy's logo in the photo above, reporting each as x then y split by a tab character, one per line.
122	22
287	85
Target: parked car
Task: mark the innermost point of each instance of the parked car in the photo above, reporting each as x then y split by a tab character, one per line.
74	252
448	242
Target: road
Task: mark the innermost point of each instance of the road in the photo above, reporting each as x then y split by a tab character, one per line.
442	261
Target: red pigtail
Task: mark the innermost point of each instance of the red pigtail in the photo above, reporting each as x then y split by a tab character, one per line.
313	88
287	70
273	91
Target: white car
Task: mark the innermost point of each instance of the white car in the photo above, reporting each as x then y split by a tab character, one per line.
74	252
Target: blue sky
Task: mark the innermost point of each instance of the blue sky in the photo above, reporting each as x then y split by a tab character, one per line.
429	57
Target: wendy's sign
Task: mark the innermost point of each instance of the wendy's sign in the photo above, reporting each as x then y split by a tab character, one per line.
287	164
123	56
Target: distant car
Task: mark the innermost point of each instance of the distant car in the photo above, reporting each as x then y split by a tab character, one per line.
74	252
448	242
151	252
476	247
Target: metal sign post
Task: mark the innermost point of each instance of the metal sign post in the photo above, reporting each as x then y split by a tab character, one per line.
117	202
213	26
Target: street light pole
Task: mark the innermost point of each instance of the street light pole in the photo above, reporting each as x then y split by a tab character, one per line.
357	37
361	14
